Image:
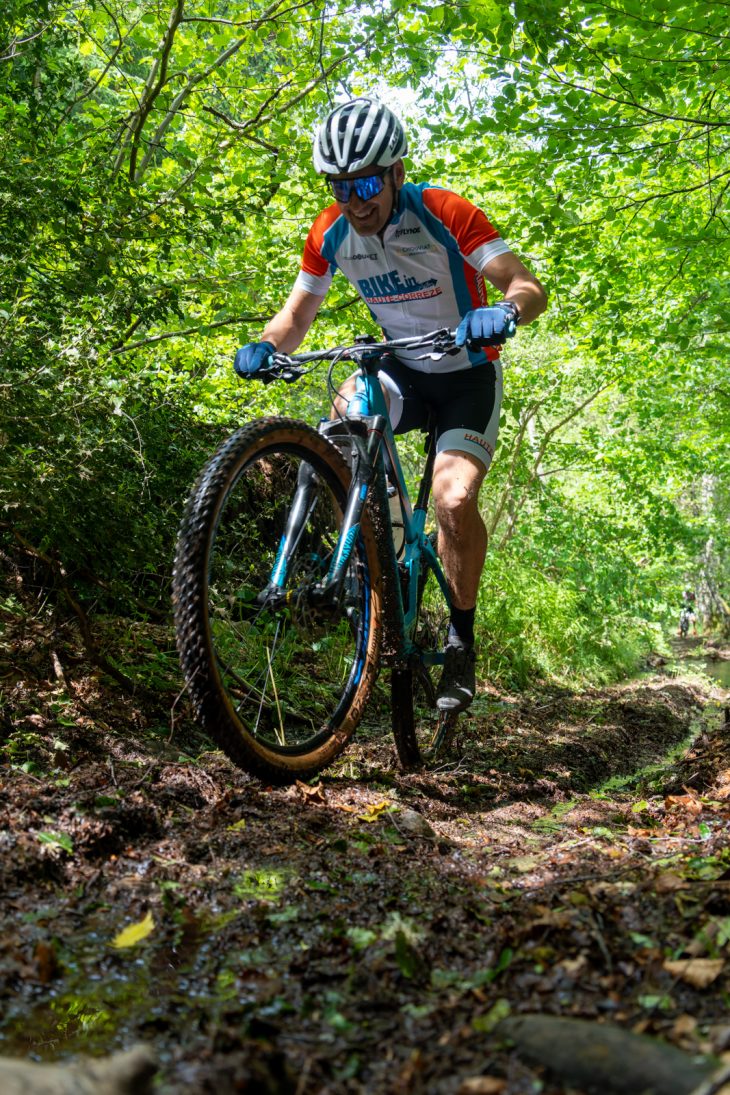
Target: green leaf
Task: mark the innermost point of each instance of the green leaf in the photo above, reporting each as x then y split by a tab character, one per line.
409	961
57	840
485	1024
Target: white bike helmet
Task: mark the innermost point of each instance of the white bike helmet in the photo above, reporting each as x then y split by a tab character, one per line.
359	134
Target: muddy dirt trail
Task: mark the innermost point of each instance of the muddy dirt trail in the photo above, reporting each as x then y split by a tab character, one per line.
369	931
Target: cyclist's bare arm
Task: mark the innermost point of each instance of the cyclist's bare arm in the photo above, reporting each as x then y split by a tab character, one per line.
288	327
517	284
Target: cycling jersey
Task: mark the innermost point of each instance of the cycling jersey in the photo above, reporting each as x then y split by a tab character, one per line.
424	273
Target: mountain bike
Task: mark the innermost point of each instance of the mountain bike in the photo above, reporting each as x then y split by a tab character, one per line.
289	593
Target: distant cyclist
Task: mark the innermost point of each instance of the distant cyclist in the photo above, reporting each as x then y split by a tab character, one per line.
688	615
418	256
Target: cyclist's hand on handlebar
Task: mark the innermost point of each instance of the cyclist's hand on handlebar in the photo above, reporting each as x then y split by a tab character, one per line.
487	326
252	357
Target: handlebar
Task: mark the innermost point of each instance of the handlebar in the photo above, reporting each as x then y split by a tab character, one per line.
437	344
290	367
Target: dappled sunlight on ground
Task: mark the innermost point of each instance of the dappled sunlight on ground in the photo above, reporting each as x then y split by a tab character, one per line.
364	932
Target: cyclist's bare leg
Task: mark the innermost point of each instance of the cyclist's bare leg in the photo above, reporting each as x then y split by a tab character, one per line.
462	544
462	535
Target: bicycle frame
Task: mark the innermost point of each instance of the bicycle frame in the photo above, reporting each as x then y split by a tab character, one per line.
369	402
368	426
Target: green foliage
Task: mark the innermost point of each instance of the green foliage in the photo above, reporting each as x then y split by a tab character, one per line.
537	624
155	191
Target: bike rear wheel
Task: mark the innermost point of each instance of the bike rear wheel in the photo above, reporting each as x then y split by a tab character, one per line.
419	729
279	682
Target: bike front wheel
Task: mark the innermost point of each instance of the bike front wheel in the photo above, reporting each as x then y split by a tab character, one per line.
278	680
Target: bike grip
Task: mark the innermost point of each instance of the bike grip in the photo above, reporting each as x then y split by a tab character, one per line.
260	373
510	329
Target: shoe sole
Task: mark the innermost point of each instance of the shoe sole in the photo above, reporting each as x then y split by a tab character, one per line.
449	707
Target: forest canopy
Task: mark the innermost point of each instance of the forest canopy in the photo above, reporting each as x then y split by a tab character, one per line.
155	191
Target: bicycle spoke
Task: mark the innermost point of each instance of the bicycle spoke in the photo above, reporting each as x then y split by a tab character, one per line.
288	661
263	693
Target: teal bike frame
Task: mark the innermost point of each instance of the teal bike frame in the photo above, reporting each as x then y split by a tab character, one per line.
366	431
367	417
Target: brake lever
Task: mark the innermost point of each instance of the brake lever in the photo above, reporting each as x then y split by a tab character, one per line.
277	367
443	346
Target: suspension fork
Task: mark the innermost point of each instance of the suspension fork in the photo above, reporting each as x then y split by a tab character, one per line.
368	450
303	503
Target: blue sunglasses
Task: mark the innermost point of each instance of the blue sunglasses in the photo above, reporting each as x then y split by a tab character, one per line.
366	187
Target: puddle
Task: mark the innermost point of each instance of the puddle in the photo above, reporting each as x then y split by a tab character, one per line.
695	655
717	669
100	1004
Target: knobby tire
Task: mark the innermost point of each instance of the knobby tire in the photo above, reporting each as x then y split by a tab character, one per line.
280	688
420	731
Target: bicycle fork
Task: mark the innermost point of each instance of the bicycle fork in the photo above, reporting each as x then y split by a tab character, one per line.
303	503
329	590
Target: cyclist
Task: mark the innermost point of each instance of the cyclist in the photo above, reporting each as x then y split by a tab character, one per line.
688	615
418	255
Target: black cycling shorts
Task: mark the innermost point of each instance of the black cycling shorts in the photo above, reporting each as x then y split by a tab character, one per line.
466	405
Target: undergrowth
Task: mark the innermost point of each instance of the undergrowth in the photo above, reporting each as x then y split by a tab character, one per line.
536	627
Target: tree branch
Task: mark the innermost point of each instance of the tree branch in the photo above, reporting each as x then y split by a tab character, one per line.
636	106
193	81
110	59
240	127
547	437
13	46
177	102
509	481
665	26
120	348
152	88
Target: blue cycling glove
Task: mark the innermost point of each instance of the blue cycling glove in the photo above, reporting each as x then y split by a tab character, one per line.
488	326
251	357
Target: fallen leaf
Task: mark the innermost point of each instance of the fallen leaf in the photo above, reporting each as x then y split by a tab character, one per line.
481	1085
686	803
314	794
684	1025
411	823
57	840
410	961
698	972
669	882
135	933
523	864
46	962
373	812
610	889
574	966
555	918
